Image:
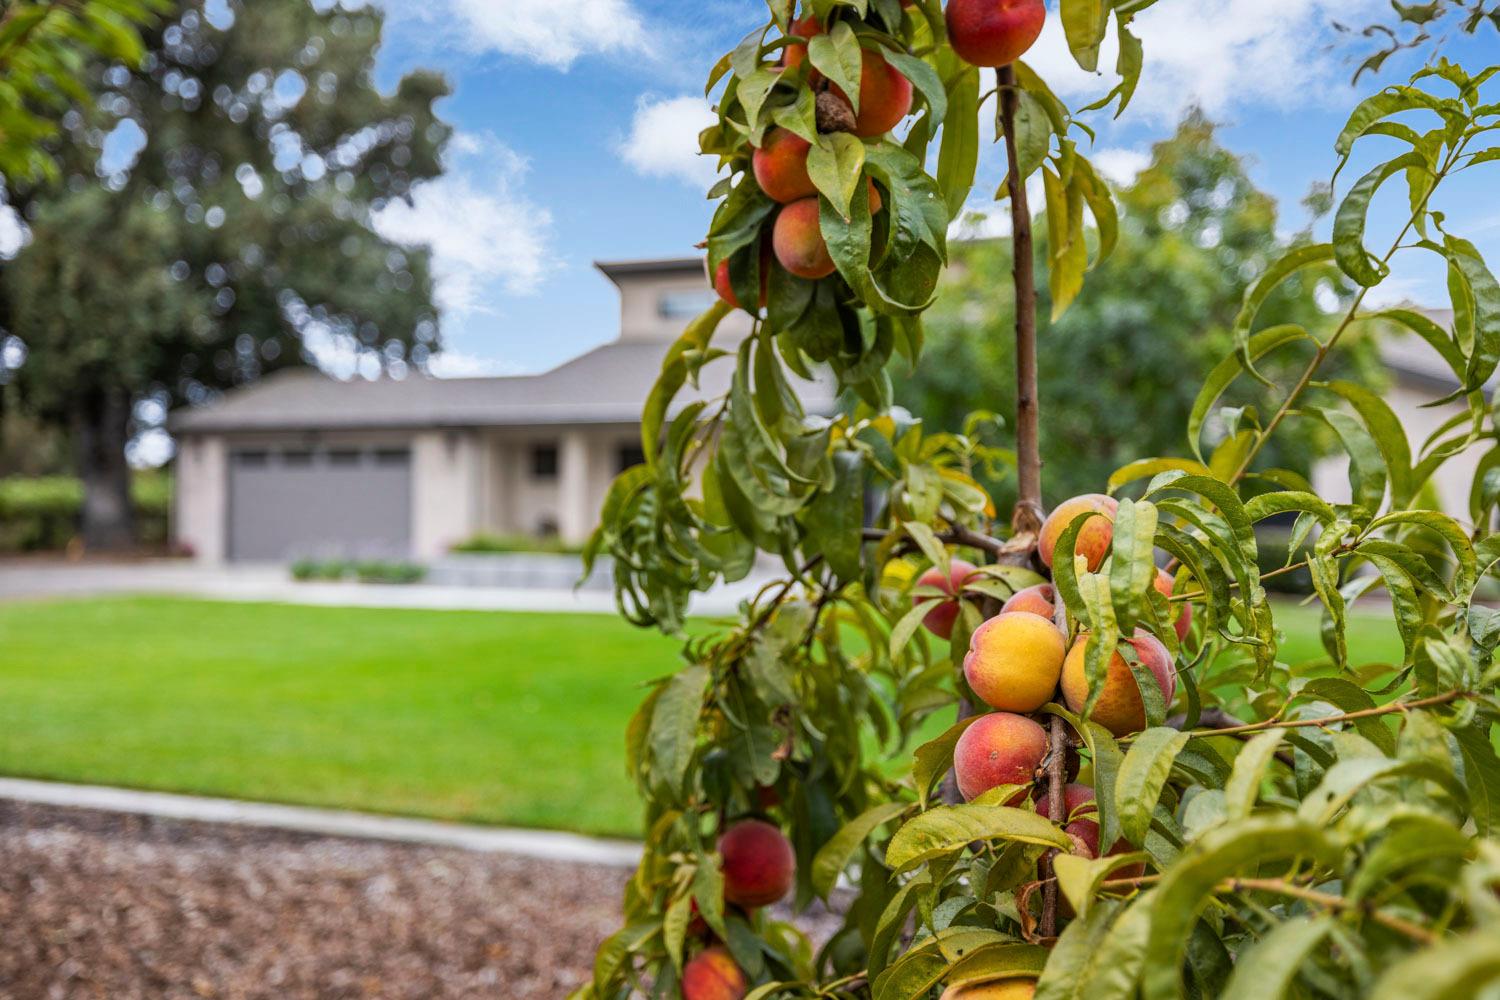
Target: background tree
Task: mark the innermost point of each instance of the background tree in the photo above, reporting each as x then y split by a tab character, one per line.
1194	233
237	239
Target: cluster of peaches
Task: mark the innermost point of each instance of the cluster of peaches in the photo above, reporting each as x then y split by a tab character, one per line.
983	32
1019	659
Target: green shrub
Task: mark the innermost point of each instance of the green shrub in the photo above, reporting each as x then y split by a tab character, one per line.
307	570
377	571
500	544
41	514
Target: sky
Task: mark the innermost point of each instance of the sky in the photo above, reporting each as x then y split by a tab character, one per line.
576	141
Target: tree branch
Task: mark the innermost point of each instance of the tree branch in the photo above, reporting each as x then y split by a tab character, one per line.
1329	720
1057	811
1028	513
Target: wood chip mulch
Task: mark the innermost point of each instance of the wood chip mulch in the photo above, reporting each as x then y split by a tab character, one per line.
95	905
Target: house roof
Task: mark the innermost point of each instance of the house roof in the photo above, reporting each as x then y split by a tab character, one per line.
608	385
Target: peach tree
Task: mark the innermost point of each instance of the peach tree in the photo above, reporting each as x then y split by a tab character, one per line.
1141	795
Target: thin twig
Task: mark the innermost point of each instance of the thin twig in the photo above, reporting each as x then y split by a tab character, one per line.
1057	811
1328	720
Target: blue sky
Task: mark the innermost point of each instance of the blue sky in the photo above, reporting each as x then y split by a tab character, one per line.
577	124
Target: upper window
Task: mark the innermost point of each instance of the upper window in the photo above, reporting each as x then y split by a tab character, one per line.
629	456
544	461
683	305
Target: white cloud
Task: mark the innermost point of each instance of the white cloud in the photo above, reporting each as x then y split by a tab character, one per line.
484	234
1219	55
1122	166
554	33
663	140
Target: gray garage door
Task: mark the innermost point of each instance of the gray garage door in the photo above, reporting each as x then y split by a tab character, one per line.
292	503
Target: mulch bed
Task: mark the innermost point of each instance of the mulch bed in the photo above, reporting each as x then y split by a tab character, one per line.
117	907
125	908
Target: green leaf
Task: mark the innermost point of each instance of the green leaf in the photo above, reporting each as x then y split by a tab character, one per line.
1250	767
926	81
834	519
1389	435
837	55
675	925
958	153
1485	292
1080	878
1143	774
836	164
1226	371
1065	241
674	725
1148	468
952	828
998	960
1186	886
834	856
1454	969
1482	776
935	757
1133	569
674	374
1267	970
1349	221
1084	23
1076	955
1260	290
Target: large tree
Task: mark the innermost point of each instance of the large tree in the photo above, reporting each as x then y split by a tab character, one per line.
239	236
1194	233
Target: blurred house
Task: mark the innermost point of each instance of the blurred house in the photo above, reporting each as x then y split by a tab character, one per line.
300	464
1418	376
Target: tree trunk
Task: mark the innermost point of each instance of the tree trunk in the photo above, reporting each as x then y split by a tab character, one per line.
101	426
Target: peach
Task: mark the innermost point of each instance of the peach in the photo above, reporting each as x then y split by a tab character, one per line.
1039	600
1014	988
1119	709
712	974
998	749
994	32
798	241
758	862
1165	583
780	166
1081	821
1015	660
941	618
794	55
1096	536
885	96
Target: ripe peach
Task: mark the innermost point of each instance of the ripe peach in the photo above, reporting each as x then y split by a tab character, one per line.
1184	624
712	974
885	96
941	618
994	989
758	861
798	240
998	749
1015	660
994	32
1095	537
793	55
1081	821
1119	708
780	166
1039	600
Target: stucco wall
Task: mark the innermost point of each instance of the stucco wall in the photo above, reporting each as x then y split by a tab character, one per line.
518	503
641	301
448	483
200	503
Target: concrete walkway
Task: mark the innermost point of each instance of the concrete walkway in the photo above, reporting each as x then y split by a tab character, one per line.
31	580
541	844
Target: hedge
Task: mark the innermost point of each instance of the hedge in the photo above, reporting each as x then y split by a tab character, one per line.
41	514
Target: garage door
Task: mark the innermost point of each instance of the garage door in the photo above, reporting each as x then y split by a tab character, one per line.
292	503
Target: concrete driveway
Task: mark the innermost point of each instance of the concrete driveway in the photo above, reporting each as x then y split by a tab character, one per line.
41	580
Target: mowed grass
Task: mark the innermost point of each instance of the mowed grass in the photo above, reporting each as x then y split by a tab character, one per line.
514	719
497	718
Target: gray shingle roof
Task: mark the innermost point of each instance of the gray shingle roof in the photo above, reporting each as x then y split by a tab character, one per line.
608	385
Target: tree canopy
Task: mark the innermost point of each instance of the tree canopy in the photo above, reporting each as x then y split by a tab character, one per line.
239	238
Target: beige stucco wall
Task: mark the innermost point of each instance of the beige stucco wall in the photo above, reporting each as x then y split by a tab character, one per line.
448	471
200	503
518	503
641	316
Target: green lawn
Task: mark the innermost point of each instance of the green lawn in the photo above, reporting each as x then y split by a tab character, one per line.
502	718
514	719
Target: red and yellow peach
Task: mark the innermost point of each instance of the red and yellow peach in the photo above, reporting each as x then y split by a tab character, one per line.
1015	660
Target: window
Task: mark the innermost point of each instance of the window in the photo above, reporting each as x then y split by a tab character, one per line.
544	461
392	456
298	458
683	305
629	456
343	456
251	459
